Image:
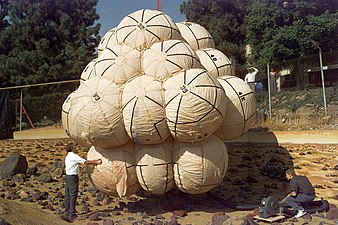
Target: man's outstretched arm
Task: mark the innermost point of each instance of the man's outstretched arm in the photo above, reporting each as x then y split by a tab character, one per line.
94	161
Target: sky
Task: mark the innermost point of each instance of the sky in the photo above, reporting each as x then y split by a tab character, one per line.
111	12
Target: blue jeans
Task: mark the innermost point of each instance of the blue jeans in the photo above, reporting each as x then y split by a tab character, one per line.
300	198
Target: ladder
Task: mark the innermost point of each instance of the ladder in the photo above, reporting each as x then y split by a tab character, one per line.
18	114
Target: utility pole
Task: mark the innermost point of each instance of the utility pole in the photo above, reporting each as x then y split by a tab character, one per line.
269	91
159	5
20	109
322	75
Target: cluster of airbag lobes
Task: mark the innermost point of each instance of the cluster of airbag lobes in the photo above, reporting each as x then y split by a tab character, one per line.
155	106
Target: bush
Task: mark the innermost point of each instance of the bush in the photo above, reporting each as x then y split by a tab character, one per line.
293	100
46	110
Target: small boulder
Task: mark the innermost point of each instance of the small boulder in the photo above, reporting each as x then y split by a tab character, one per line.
219	219
274	168
44	178
3	222
14	164
32	171
108	222
332	214
180	213
94	217
58	165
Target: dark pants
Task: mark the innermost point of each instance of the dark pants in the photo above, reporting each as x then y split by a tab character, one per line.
71	189
300	198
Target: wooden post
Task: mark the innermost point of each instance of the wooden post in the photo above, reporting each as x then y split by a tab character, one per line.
23	111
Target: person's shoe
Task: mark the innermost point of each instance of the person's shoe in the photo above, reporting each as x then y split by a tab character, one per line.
300	213
65	217
68	218
72	218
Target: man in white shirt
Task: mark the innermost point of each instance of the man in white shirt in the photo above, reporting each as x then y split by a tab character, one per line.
250	78
72	162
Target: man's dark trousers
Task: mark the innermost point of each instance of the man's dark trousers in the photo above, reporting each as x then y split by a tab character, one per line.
71	190
300	198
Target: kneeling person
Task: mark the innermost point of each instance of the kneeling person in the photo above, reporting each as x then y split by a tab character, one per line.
302	191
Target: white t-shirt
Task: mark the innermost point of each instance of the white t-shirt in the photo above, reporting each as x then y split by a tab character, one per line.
72	163
250	77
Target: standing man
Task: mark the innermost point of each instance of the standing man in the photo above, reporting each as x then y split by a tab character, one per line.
72	162
301	191
274	75
250	77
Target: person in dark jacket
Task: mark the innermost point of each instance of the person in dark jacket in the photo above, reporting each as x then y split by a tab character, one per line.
302	191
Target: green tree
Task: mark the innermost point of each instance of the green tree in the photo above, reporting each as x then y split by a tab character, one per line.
283	29
3	14
4	48
224	19
49	40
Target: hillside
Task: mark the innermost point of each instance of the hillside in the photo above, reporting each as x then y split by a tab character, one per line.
298	110
290	110
31	200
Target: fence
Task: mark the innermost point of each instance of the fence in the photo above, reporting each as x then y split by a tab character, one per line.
298	101
312	102
31	106
303	73
297	110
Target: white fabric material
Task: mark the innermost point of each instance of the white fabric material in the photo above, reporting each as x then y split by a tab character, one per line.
147	86
116	176
154	167
107	40
164	59
88	71
241	108
215	62
145	27
64	116
143	111
119	63
72	162
93	114
201	166
194	105
196	35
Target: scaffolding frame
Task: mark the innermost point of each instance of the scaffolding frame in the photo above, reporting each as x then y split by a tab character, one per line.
22	108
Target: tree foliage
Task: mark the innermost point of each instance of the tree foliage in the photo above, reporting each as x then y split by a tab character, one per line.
47	40
224	19
274	29
3	14
278	29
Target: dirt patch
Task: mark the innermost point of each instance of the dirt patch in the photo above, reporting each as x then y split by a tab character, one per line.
21	213
243	184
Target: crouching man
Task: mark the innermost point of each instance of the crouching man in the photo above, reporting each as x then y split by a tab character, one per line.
302	191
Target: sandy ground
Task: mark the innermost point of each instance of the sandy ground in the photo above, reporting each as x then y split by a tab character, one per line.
243	183
281	137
